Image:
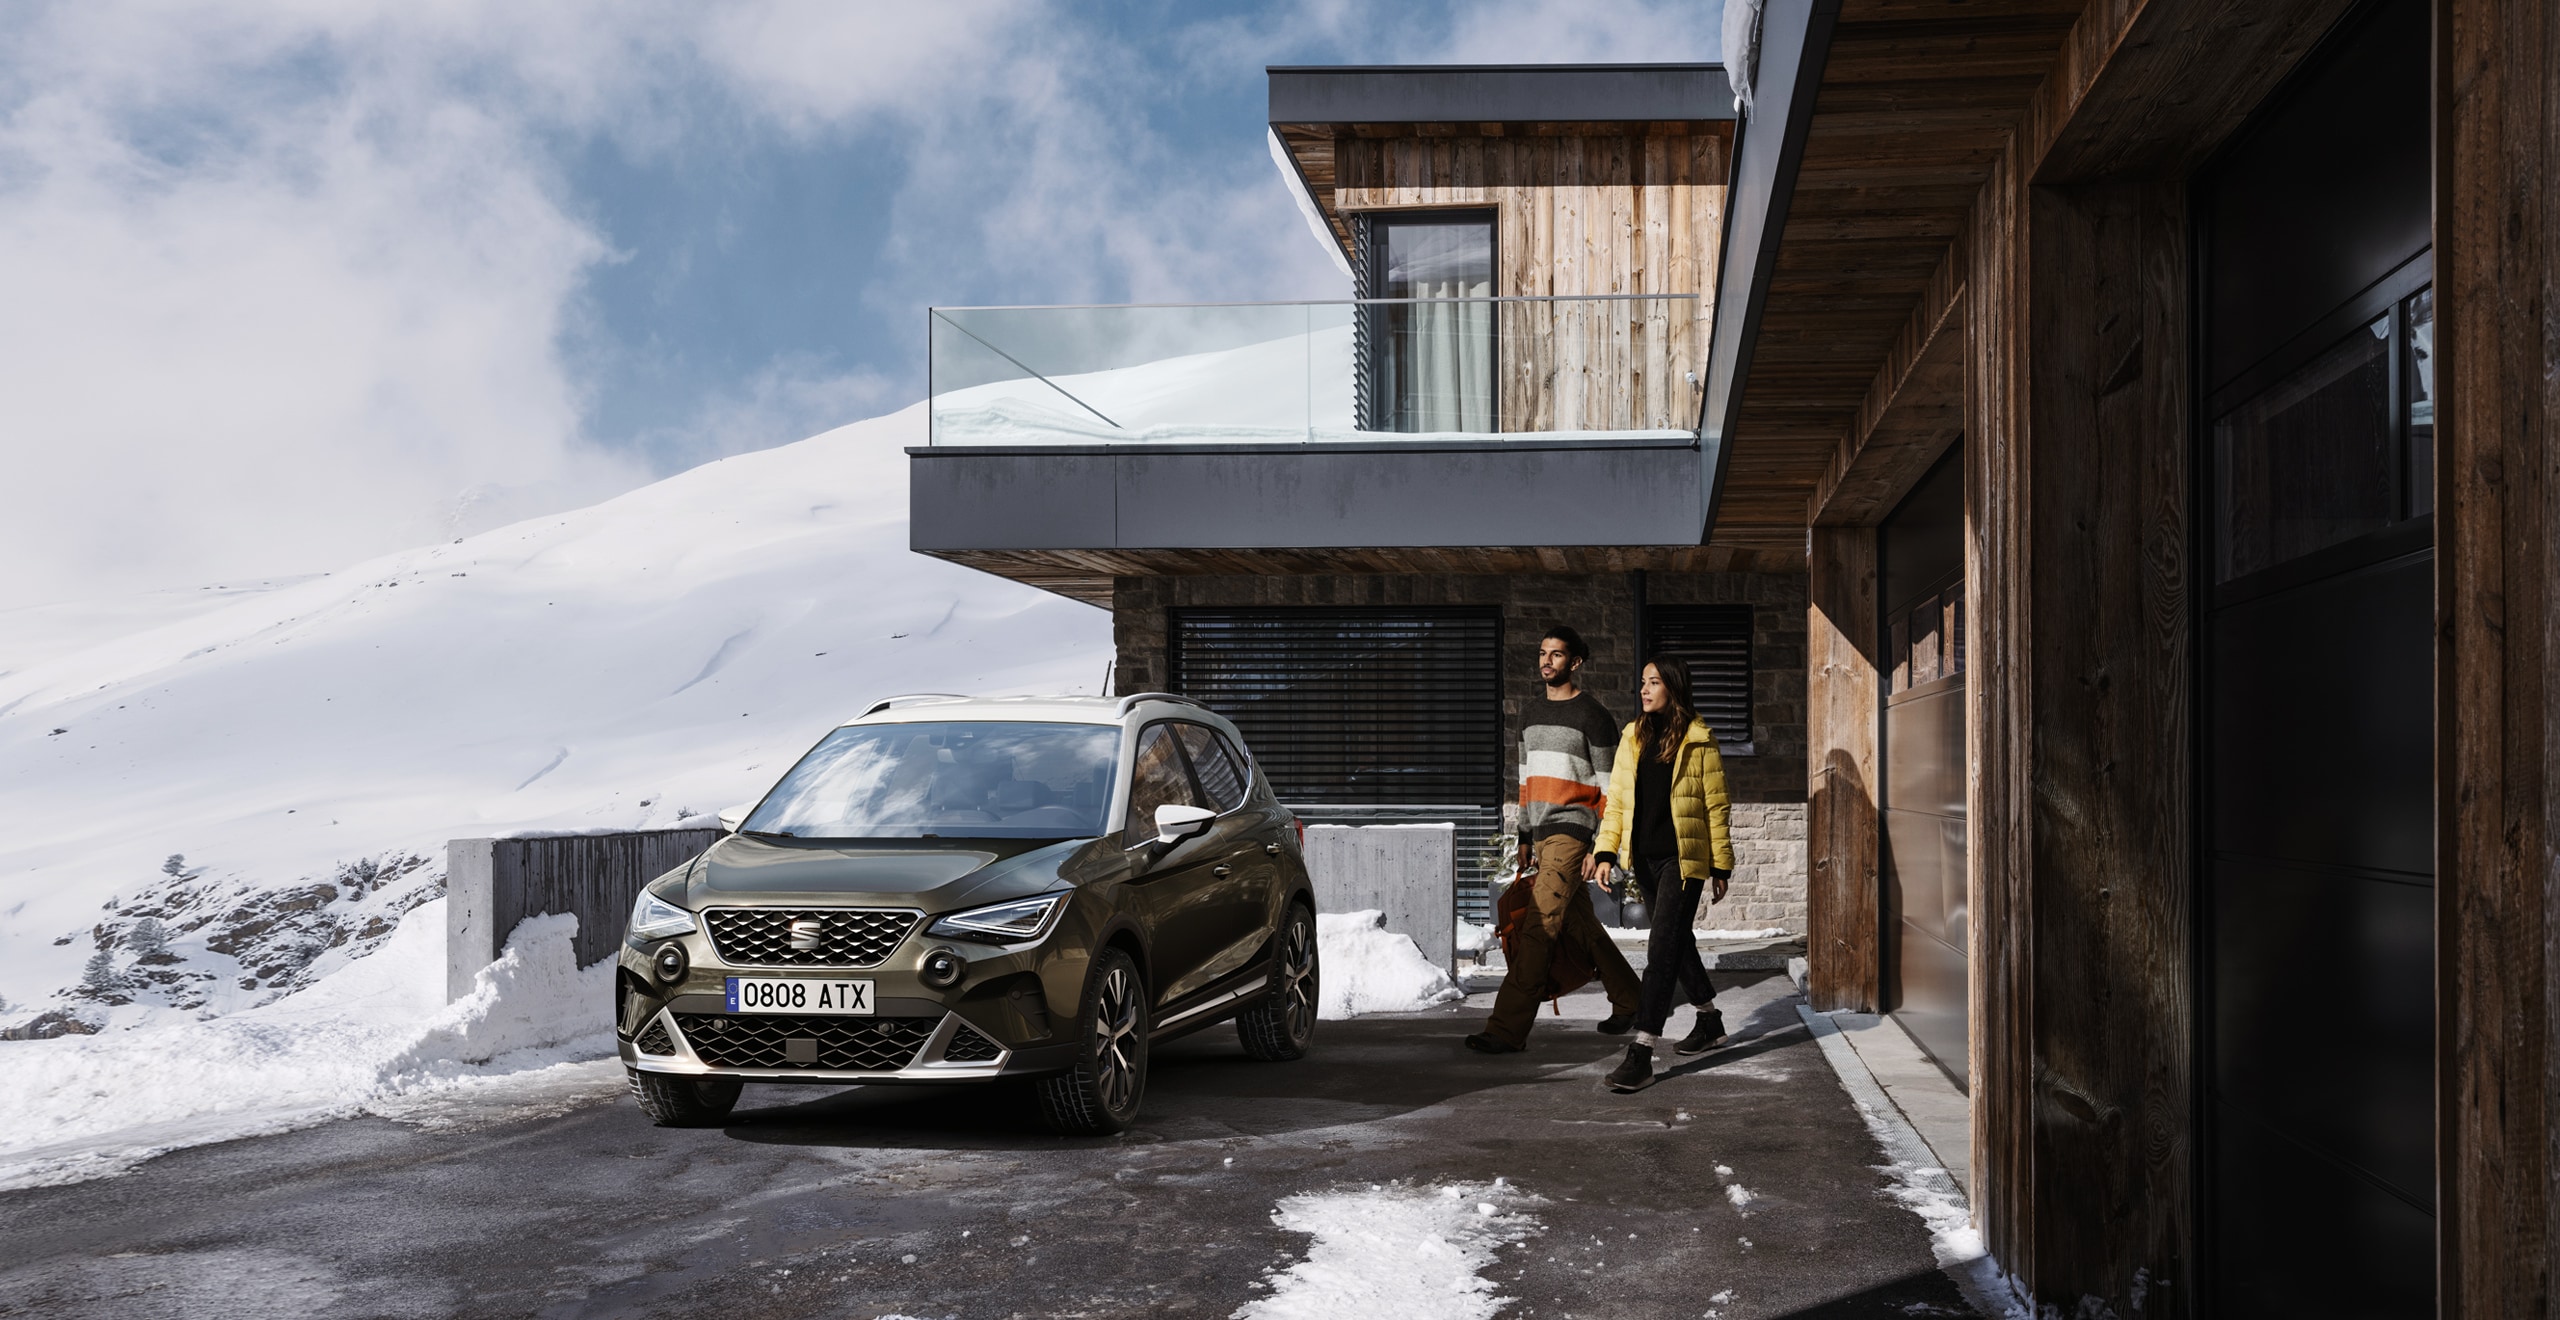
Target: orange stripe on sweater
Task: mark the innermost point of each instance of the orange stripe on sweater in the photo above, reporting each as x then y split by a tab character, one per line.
1554	792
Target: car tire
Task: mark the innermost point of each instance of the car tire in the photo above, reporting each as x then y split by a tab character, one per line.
1101	1093
673	1100
1283	1024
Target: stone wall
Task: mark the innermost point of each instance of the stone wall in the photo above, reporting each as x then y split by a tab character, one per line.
1767	786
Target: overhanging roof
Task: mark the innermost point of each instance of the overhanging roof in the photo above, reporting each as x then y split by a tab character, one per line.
1498	93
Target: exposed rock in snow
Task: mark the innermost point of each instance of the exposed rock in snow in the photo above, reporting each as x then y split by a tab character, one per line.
361	1039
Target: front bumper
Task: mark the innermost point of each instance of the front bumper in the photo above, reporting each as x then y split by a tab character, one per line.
675	1041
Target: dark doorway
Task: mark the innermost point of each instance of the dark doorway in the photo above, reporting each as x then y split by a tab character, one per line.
1920	583
2318	690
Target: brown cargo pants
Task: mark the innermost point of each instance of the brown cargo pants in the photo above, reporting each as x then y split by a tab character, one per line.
1565	920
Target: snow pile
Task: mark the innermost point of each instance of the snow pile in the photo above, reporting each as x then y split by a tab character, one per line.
378	1029
1473	938
1366	968
1397	1250
648	660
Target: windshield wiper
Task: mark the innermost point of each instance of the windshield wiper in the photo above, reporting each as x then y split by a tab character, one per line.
769	834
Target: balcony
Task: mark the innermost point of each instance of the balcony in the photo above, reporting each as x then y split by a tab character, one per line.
1484	370
1368	435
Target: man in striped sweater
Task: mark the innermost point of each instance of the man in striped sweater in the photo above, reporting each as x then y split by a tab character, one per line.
1566	745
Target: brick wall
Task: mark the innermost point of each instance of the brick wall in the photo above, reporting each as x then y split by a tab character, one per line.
1768	787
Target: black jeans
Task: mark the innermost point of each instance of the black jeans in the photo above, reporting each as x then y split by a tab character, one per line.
1671	962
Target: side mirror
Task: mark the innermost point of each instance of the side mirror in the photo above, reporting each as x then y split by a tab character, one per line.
1174	823
733	817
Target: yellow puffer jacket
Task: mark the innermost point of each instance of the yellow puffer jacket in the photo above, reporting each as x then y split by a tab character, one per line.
1699	808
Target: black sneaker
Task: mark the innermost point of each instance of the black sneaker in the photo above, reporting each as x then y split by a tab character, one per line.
1487	1043
1706	1034
1634	1072
1617	1024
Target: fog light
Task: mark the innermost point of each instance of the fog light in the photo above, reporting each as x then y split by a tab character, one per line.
942	969
670	962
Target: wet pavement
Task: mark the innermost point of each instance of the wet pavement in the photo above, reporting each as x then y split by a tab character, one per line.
948	1203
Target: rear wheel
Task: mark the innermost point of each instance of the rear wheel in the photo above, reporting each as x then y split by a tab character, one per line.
673	1100
1100	1094
1284	1023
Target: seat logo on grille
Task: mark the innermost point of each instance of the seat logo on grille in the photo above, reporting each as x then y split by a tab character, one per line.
807	933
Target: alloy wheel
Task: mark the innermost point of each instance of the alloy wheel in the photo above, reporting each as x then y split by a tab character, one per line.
1116	1023
1298	978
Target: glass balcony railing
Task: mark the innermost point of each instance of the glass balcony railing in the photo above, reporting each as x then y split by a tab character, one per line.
1316	372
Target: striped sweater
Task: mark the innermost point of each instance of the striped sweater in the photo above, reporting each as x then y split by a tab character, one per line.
1565	752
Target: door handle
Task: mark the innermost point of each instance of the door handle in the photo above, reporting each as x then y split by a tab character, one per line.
1222	870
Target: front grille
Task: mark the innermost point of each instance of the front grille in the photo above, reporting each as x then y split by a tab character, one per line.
653	1038
846	937
842	1044
970	1045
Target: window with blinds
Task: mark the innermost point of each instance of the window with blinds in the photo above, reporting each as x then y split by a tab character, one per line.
1715	642
1354	706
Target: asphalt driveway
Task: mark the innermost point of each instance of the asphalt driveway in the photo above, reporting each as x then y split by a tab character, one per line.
880	1202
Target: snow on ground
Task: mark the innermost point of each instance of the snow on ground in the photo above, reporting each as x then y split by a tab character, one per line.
217	760
1393	1249
1366	968
375	1036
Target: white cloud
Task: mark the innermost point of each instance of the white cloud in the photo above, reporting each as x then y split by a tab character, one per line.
287	282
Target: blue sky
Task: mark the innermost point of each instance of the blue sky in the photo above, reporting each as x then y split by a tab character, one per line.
309	280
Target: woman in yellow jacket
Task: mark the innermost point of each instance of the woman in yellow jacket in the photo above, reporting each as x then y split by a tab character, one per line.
1668	816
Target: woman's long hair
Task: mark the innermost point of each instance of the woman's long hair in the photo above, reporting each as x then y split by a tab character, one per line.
1663	729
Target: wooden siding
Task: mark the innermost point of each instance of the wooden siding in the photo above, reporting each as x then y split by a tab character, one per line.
1842	843
2497	233
1613	213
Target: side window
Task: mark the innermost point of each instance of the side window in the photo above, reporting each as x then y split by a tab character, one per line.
1156	779
1221	777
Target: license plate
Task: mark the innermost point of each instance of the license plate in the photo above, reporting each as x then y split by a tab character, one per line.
798	994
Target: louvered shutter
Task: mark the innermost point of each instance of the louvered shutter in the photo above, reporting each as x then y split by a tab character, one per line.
1715	642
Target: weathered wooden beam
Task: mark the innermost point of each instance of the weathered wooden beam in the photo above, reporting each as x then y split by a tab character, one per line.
1911	413
1844	924
2497	263
2109	735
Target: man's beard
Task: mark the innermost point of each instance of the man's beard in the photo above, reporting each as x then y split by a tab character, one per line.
1560	678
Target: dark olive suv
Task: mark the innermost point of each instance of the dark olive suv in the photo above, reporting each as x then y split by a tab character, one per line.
951	890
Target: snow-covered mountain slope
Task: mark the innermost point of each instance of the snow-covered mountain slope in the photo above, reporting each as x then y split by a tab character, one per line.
270	777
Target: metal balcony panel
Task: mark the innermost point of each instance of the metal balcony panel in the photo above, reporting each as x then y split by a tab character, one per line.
1637	492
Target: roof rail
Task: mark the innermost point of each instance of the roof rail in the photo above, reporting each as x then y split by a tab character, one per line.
904	697
1175	697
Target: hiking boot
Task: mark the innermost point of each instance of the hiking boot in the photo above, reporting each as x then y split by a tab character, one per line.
1617	1024
1634	1072
1705	1034
1487	1043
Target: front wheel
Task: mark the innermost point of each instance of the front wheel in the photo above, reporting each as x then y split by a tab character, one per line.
1099	1095
672	1100
1284	1023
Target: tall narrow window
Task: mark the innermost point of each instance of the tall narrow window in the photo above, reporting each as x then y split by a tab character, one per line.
1429	345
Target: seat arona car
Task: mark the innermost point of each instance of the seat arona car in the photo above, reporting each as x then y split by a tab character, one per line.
950	889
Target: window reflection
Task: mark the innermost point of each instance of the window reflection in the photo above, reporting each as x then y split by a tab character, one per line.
2419	380
2310	461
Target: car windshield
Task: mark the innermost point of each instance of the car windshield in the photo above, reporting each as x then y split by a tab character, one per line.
972	778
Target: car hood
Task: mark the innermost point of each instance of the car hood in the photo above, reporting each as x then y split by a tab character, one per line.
942	877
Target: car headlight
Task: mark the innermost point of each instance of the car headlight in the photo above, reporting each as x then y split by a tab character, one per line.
1017	922
655	918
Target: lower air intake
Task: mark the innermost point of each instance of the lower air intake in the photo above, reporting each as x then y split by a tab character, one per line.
842	1044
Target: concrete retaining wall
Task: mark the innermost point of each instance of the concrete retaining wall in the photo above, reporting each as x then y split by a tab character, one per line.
1407	872
492	884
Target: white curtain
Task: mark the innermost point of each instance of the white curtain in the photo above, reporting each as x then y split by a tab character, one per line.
1440	369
